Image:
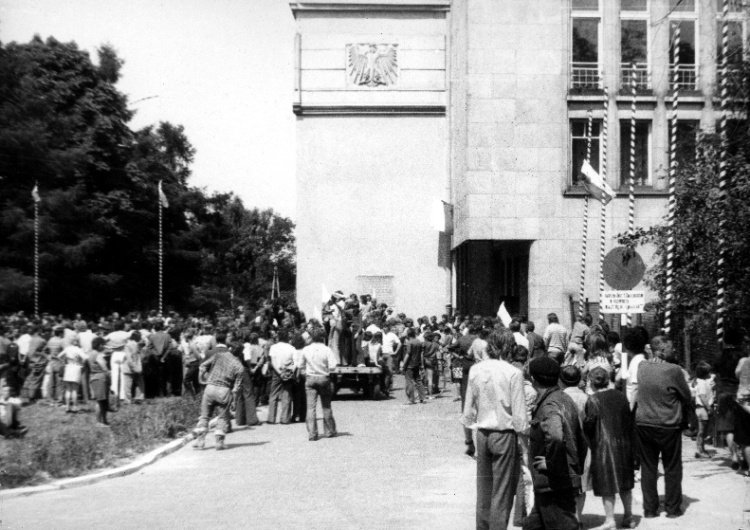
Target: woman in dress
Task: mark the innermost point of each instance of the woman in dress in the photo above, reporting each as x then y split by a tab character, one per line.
99	379
73	359
608	426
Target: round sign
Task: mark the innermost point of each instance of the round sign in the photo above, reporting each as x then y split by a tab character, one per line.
623	268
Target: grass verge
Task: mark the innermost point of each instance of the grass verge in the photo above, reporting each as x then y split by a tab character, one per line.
60	445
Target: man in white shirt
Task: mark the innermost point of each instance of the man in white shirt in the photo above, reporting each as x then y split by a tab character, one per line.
282	368
521	340
317	362
496	407
634	343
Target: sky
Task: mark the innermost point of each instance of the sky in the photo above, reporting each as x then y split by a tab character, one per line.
221	68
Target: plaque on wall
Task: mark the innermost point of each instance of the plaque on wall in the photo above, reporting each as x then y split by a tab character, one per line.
379	286
372	65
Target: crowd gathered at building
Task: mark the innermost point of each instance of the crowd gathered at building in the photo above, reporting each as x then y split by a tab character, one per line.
548	415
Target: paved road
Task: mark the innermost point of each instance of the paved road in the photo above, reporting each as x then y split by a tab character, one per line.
392	467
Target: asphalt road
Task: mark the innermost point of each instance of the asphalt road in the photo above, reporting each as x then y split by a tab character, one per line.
391	467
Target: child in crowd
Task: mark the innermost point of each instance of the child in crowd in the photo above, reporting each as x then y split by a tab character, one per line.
10	410
703	390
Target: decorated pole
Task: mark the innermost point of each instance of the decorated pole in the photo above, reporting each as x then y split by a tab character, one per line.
672	180
37	199
603	219
163	203
720	308
584	242
631	180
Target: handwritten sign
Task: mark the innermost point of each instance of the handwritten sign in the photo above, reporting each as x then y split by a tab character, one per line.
617	302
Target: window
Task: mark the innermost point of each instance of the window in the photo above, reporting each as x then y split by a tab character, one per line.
585	5
634	5
735	47
579	146
687	140
676	6
585	60
688	73
634	52
642	149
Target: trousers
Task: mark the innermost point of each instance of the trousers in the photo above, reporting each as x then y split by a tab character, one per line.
319	387
216	399
281	397
413	379
497	477
652	442
131	382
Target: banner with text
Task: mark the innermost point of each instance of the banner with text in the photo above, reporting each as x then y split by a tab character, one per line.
617	302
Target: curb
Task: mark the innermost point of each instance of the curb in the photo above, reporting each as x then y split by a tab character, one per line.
128	469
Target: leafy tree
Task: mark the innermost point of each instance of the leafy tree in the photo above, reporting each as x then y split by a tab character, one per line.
703	218
65	129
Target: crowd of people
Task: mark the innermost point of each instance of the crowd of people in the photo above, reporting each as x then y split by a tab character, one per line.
549	416
569	412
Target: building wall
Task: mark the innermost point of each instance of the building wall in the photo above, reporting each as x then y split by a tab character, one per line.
371	160
510	112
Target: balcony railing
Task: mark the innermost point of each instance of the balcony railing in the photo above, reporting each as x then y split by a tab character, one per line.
642	76
585	76
687	77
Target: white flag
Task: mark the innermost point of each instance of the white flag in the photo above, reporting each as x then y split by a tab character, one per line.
163	198
325	294
595	184
437	215
317	315
35	194
503	315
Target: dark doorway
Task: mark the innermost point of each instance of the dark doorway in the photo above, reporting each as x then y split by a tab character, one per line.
490	272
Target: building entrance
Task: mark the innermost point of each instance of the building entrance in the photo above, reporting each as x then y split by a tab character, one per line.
490	272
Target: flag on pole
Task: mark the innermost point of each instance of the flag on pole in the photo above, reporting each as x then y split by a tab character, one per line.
374	294
595	184
437	215
163	198
35	193
503	315
325	295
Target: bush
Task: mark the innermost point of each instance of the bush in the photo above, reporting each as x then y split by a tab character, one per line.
62	445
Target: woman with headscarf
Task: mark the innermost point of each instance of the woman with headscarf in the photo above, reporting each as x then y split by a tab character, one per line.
34	365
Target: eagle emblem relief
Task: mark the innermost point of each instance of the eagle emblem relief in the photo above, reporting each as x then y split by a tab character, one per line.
372	65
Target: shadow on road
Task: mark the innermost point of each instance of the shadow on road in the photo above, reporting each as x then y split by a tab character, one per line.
248	444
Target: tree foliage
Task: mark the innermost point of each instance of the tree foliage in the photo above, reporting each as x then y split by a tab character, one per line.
705	220
65	129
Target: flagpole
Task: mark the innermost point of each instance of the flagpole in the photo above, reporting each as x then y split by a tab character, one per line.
161	254
584	242
36	252
723	171
672	181
603	219
631	180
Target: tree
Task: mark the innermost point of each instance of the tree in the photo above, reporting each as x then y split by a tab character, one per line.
703	219
65	129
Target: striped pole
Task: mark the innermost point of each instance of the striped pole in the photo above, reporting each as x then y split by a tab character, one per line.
603	215
631	180
36	254
584	243
720	308
672	180
161	257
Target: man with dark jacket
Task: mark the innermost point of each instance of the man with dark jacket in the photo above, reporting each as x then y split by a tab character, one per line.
536	342
557	451
662	395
